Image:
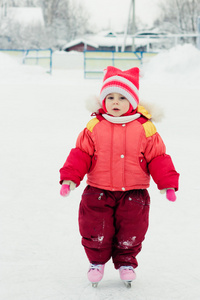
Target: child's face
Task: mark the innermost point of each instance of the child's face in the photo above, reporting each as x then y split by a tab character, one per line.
116	104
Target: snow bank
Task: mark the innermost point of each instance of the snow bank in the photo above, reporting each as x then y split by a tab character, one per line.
12	69
177	66
8	64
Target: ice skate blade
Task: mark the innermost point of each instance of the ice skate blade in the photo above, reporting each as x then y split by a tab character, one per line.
127	284
94	284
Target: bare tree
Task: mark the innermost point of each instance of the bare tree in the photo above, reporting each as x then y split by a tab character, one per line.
179	15
64	20
69	13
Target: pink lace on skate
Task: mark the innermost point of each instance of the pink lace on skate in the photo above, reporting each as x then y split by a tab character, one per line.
95	273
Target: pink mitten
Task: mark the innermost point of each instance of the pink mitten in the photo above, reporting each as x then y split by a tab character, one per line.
65	190
170	194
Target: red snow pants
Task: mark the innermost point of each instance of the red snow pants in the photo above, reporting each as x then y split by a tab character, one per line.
113	224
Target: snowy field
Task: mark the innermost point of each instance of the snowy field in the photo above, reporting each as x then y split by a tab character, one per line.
41	257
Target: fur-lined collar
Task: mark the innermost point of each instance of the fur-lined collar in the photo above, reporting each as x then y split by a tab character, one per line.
149	111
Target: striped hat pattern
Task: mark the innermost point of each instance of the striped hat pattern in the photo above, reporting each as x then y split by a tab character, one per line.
125	83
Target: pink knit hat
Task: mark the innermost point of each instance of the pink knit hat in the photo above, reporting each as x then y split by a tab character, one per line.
125	83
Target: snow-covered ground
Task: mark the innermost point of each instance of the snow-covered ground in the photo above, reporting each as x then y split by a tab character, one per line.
41	257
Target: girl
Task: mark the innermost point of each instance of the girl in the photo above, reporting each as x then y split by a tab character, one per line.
118	150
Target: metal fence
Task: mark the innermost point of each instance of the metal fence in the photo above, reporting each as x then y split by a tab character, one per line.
96	61
41	57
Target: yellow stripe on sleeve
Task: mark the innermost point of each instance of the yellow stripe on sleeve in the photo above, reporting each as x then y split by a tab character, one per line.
91	124
149	128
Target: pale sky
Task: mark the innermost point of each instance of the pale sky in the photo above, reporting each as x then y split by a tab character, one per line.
115	12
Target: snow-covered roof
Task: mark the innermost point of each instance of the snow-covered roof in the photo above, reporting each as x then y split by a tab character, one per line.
79	41
154	32
112	39
107	33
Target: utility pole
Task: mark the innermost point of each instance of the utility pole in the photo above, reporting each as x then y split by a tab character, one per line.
133	25
132	22
198	31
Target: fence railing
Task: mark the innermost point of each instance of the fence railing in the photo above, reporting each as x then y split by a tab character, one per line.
96	61
41	57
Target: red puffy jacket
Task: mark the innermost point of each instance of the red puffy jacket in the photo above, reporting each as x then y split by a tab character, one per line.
120	157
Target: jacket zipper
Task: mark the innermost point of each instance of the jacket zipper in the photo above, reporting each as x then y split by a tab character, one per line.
111	157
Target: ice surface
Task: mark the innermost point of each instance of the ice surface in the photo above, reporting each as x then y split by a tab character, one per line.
41	256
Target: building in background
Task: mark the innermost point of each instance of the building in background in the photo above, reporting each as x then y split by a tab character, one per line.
112	41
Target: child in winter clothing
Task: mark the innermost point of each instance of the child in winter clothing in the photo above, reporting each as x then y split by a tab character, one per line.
118	150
